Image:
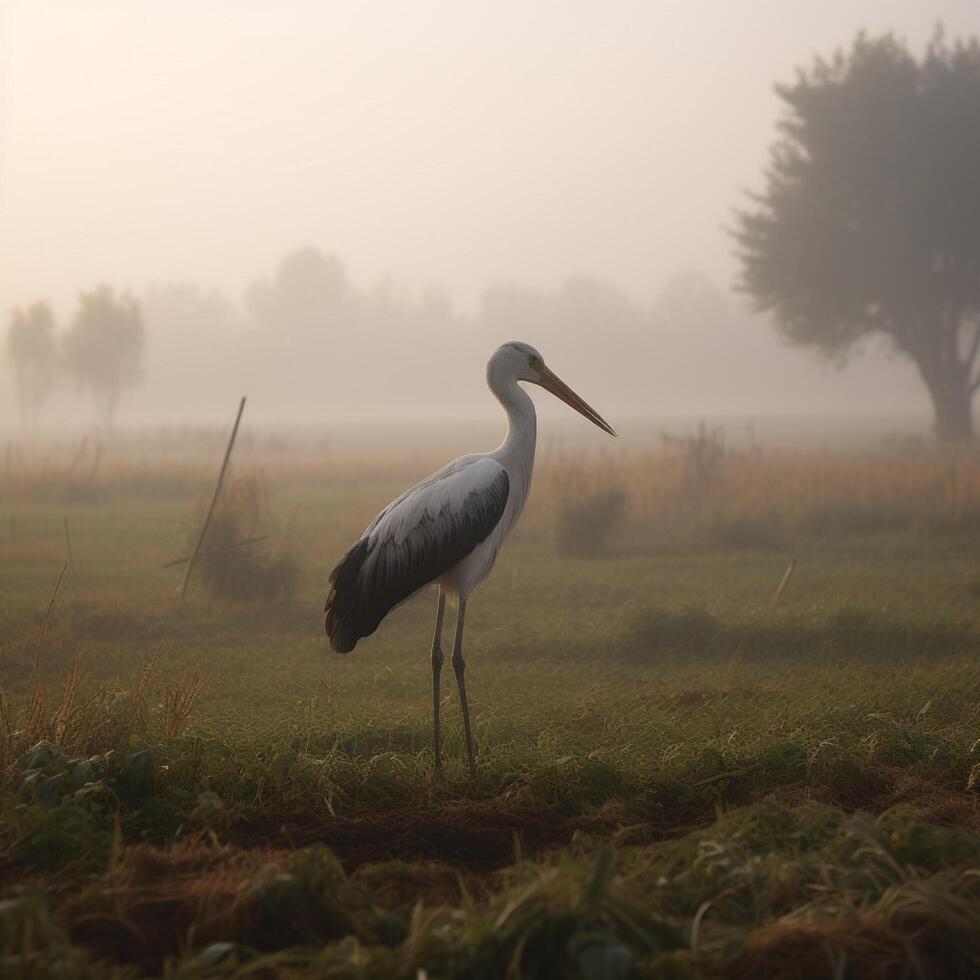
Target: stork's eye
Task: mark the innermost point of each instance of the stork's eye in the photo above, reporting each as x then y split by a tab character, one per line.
534	360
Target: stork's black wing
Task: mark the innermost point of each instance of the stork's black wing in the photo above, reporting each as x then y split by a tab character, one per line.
412	542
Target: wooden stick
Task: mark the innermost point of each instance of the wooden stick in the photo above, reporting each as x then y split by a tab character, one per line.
35	681
787	575
71	557
214	500
216	551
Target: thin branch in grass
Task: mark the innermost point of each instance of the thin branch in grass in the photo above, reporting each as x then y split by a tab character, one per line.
784	581
36	668
138	702
179	702
71	556
214	500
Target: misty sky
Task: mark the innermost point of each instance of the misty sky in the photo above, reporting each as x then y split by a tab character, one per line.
451	142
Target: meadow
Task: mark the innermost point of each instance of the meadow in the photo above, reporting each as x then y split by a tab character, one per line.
726	703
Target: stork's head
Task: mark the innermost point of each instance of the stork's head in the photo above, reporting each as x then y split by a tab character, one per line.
522	362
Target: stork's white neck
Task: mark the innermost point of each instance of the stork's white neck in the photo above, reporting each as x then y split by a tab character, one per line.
522	424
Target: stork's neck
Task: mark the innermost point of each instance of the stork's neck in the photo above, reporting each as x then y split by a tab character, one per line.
522	424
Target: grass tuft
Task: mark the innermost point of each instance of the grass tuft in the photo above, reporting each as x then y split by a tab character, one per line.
234	570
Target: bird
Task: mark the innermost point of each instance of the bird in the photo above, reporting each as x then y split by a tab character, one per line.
448	529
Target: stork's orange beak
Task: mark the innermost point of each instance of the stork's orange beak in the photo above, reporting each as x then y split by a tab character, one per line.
551	382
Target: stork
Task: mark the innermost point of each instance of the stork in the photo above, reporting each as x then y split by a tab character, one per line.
449	528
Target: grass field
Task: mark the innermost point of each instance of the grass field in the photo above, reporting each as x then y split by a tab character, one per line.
677	777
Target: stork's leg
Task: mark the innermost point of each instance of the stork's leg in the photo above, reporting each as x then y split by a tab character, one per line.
436	670
458	668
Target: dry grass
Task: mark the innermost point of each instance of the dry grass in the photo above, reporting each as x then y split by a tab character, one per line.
584	525
179	701
666	788
235	565
79	725
692	488
696	490
78	719
840	896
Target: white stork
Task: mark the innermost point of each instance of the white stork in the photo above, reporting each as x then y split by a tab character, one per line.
448	528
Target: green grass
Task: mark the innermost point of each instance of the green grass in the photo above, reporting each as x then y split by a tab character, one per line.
676	778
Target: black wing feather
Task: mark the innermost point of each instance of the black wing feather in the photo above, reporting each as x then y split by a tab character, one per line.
375	576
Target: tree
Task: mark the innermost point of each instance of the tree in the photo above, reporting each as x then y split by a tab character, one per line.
33	351
870	221
304	335
104	348
308	296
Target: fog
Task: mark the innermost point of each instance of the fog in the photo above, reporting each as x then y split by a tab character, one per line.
340	209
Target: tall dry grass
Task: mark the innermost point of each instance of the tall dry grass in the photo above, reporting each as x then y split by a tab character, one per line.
688	489
696	489
81	725
236	565
82	720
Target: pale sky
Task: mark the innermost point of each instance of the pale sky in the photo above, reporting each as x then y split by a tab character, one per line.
449	142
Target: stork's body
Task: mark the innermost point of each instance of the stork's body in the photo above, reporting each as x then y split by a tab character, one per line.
449	528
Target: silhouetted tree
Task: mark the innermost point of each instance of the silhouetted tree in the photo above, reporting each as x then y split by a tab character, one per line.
308	294
104	348
870	221
33	350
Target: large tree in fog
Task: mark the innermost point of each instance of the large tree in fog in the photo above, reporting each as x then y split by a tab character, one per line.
307	296
33	351
104	348
870	220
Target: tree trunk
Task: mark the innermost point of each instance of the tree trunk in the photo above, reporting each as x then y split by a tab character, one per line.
953	406
106	403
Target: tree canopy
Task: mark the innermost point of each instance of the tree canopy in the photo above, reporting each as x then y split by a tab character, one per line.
104	348
870	219
33	350
308	295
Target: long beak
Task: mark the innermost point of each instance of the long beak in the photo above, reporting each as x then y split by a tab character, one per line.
551	382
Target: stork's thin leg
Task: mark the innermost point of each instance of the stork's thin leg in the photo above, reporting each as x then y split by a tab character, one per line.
458	668
436	670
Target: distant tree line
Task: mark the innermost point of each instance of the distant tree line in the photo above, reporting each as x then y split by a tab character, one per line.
869	226
304	331
101	351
